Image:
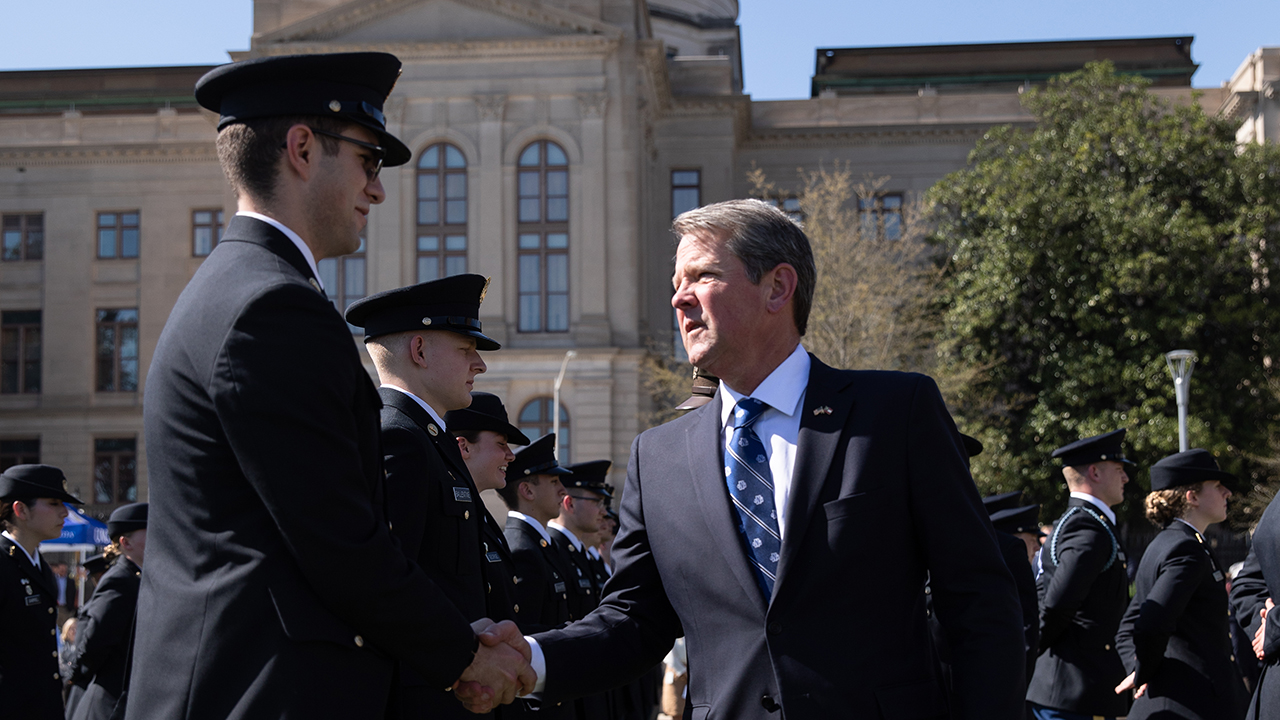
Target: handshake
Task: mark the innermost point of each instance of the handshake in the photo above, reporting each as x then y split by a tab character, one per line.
500	670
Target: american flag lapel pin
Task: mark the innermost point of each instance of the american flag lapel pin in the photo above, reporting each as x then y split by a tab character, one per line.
823	410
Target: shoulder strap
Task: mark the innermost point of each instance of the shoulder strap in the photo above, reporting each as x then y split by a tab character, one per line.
1115	544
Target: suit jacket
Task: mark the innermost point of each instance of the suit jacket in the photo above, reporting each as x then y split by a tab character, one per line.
30	684
102	639
880	496
274	587
435	511
1248	595
1266	548
1084	590
1175	636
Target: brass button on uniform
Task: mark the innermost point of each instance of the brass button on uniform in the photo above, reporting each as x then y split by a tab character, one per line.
359	641
543	543
516	607
50	611
466	514
1108	647
56	676
55	653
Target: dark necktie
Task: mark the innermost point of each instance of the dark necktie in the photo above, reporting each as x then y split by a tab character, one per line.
746	471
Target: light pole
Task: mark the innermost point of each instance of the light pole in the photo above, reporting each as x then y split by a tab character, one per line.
1181	363
555	401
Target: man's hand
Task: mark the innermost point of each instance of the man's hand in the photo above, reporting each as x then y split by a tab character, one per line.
1128	685
500	670
1259	637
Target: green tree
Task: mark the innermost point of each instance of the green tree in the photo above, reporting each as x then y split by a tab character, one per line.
1119	227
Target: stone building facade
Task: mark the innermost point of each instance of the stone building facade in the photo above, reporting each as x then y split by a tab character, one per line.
553	142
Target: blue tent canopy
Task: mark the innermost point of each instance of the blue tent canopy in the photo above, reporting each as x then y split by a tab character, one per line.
80	529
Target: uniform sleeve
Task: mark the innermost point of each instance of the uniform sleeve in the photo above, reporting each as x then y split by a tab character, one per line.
1249	593
103	626
1180	573
287	411
1083	550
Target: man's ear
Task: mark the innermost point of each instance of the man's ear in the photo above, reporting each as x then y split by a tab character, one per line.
783	281
464	448
418	350
301	150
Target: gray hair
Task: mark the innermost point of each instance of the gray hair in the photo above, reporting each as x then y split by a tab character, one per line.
762	237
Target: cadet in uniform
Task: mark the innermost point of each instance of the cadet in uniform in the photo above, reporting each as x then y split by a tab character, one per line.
263	436
483	434
105	631
1084	589
1174	638
424	341
31	511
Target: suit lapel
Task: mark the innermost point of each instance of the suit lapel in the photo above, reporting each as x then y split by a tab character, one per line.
443	441
828	400
705	453
42	578
251	230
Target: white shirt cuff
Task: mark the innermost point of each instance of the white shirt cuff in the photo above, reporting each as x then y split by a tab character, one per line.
539	664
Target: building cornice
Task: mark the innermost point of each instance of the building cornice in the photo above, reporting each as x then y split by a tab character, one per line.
469	50
966	134
52	156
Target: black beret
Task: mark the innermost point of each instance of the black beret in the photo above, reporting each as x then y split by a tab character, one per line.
347	86
485	413
1188	468
1104	447
590	476
538	458
451	303
1003	501
36	481
127	518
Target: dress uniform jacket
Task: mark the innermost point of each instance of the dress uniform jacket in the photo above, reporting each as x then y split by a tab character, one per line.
1175	636
583	598
880	491
30	684
1084	590
435	511
499	570
1266	547
543	592
102	640
274	587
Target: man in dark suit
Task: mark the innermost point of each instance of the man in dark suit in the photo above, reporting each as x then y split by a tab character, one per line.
424	341
31	511
1084	589
263	440
1265	703
787	527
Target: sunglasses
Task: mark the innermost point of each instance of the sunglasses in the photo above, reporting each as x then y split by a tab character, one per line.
584	498
372	165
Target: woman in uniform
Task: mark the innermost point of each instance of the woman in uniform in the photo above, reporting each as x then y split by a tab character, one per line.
105	631
1174	638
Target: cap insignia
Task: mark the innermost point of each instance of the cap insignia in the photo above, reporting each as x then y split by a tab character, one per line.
335	106
426	321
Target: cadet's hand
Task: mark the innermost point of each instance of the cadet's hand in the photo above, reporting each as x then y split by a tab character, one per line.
500	670
1128	685
1259	637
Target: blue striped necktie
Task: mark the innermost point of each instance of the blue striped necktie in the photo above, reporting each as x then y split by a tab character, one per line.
746	471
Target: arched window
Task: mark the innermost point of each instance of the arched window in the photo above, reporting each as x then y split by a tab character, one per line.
543	216
535	420
442	212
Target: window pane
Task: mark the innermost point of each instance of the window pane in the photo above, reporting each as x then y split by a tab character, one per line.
455	265
529	184
203	217
428	187
204	240
106	220
353	277
557	313
557	209
892	226
129	341
455	242
129	219
12	245
530	274
529	320
531	156
102	489
128	375
530	241
455	212
428	212
31	363
428	268
557	183
529	210
532	413
868	224
127	484
127	315
684	177
453	158
891	202
430	157
557	273
557	240
35	243
106	243
683	199
129	243
455	186
328	268
428	243
555	156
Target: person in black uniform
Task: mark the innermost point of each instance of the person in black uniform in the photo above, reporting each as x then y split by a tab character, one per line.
1174	638
1248	595
483	434
263	437
1083	586
31	511
105	631
424	341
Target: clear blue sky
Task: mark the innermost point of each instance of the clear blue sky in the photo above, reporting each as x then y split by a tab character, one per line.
778	36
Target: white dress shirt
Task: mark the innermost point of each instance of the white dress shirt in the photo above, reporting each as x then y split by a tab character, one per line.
434	415
532	523
297	241
568	533
35	559
779	425
1096	503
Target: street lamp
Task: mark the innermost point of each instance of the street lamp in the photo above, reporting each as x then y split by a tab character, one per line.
1181	363
555	401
